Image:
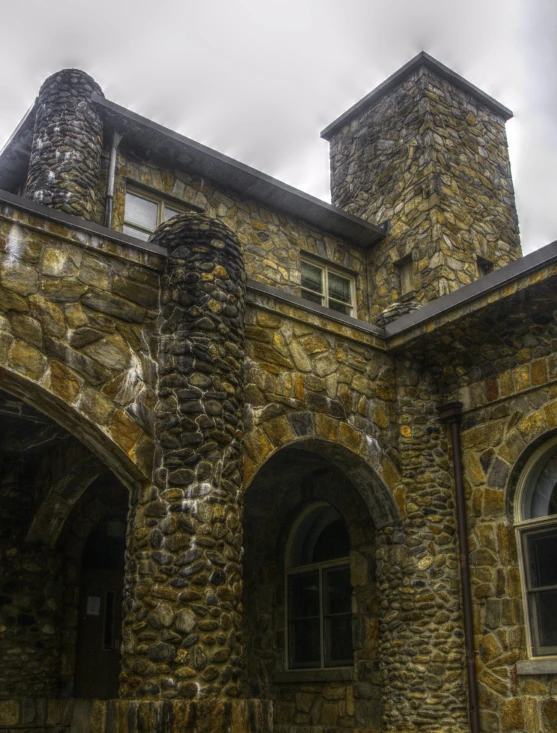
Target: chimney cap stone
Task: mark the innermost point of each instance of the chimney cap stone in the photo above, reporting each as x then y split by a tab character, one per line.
421	60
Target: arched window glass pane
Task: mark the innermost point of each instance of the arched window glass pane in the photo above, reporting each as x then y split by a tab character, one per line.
321	536
540	494
319	591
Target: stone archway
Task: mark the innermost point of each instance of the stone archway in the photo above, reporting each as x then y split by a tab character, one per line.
293	477
44	474
372	472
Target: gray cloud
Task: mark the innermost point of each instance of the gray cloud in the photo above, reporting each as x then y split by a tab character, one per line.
259	80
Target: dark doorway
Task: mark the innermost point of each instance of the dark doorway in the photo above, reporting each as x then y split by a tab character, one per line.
100	610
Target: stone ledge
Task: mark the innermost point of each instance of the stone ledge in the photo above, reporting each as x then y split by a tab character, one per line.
341	674
132	716
537	666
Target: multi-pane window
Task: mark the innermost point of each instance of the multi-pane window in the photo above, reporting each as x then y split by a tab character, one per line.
327	286
319	593
144	213
537	529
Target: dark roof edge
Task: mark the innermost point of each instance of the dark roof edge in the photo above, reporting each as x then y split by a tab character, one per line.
23	124
264	188
421	59
319	310
75	222
503	276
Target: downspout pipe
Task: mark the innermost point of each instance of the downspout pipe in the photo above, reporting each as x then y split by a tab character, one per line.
451	414
116	138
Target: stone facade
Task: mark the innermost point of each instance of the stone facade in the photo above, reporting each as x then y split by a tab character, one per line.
432	159
185	383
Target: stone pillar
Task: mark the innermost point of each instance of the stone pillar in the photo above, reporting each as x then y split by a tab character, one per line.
64	168
183	577
421	628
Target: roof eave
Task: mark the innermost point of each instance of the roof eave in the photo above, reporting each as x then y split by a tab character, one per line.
240	177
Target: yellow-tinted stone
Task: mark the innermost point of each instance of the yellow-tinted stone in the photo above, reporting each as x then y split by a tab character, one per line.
326	427
63	382
27	359
350	437
531	426
124	430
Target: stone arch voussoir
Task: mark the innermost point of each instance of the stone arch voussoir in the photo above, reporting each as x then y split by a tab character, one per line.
510	457
99	439
360	457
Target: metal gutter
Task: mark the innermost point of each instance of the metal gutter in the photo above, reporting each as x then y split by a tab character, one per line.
420	60
229	173
60	217
495	280
451	414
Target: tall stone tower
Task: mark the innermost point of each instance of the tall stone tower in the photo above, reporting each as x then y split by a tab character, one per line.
427	151
64	166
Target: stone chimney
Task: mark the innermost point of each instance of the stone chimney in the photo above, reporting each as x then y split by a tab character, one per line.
64	168
427	152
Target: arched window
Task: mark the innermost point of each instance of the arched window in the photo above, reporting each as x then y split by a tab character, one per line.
536	522
319	593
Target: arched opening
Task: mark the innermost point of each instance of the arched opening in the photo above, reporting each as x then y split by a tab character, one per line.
98	574
54	495
535	515
311	606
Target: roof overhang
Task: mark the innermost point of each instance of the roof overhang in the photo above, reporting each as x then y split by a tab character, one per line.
192	156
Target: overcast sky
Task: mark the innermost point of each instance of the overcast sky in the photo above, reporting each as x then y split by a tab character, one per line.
259	79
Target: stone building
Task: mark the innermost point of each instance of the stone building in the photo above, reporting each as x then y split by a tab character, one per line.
269	464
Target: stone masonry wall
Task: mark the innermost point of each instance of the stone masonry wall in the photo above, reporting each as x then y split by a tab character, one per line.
64	167
433	161
502	366
182	628
271	241
30	591
76	329
420	623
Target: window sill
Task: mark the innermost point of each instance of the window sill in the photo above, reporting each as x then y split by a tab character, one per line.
537	666
338	674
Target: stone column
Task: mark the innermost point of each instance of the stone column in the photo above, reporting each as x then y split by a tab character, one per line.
64	167
421	628
184	587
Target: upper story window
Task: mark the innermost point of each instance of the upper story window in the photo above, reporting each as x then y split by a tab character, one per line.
328	286
319	593
536	523
144	213
405	271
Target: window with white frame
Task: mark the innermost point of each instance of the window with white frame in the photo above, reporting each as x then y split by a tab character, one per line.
328	286
143	213
319	593
536	526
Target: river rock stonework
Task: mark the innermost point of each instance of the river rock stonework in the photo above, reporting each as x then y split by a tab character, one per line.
183	623
169	425
64	168
433	160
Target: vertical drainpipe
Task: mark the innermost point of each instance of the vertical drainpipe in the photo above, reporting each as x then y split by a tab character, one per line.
116	138
451	414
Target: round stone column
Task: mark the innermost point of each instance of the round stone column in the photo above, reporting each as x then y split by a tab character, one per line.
184	588
64	167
